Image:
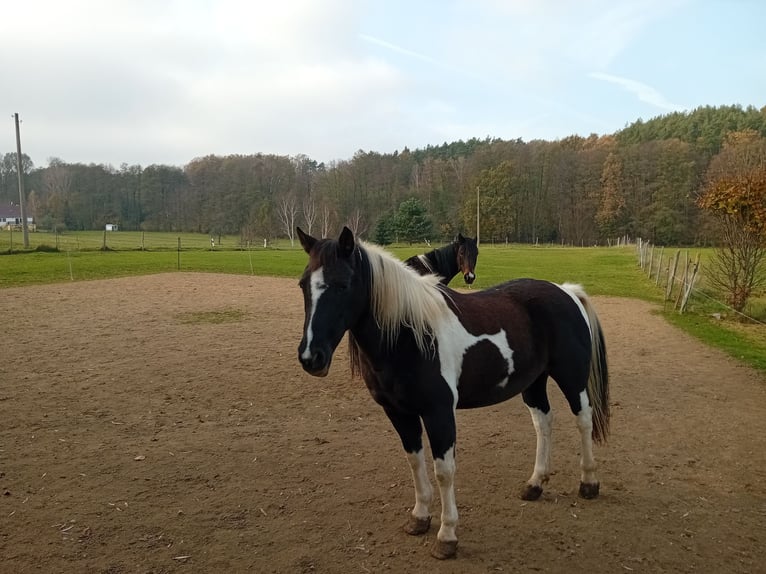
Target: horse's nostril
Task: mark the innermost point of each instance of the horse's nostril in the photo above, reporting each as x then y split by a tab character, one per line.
313	361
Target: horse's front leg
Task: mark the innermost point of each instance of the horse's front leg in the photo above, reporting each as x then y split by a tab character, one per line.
440	426
411	434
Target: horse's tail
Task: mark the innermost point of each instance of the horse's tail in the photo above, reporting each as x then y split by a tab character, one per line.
598	378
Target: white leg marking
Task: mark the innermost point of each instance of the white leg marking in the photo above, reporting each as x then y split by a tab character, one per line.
444	469
585	424
543	424
423	489
317	288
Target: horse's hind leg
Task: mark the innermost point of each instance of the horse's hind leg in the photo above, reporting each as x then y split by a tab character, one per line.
536	399
577	397
589	485
411	434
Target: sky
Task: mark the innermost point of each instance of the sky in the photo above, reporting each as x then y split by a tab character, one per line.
146	82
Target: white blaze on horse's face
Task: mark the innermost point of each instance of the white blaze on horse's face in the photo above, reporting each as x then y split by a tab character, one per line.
317	286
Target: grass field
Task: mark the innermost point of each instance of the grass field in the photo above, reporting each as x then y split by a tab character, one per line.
601	270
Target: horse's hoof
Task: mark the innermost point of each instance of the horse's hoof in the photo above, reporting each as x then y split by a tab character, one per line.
588	490
444	549
417	526
530	492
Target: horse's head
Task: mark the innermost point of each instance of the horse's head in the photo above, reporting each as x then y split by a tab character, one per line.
333	294
467	253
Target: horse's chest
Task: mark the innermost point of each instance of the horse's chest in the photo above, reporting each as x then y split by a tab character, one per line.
405	388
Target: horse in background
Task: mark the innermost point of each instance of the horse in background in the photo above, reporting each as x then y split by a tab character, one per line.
446	262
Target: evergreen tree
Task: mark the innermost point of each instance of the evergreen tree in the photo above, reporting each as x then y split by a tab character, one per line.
412	222
385	230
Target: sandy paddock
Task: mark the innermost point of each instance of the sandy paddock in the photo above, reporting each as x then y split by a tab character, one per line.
163	424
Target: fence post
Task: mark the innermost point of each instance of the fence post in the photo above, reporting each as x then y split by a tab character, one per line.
695	269
672	276
179	253
683	281
659	266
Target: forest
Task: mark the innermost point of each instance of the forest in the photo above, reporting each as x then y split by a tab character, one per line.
642	181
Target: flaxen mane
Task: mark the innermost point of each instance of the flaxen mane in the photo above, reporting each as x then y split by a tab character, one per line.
400	297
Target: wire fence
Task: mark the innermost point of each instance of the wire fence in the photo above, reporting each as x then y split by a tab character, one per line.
678	278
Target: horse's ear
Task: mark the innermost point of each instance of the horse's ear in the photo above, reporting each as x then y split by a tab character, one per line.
460	239
306	240
346	242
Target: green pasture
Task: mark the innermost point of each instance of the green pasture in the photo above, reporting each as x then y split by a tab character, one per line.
609	271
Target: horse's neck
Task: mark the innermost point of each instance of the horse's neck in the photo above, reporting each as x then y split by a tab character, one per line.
444	262
368	339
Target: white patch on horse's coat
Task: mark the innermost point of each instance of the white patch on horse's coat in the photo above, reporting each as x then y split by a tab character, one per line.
444	470
317	287
543	424
575	292
585	425
454	341
423	489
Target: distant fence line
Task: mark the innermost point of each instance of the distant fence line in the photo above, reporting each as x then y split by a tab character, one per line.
104	240
678	283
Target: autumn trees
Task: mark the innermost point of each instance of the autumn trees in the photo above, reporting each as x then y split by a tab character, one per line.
735	195
641	181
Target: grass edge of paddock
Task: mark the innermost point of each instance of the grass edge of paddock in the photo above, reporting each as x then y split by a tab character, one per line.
605	271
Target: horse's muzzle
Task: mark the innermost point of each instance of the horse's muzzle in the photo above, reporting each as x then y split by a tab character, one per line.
469	277
316	363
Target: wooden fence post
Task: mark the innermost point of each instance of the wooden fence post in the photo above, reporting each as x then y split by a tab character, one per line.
683	281
659	266
672	276
695	269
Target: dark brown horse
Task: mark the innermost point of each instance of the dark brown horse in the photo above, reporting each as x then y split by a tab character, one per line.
425	350
446	262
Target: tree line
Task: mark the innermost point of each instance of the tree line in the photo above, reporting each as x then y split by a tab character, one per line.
644	180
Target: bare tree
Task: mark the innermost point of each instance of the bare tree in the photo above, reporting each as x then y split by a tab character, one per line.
326	219
287	212
309	213
356	223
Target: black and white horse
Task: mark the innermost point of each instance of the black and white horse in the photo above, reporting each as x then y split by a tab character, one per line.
457	257
425	350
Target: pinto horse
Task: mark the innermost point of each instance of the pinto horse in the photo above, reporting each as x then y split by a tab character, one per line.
424	350
457	257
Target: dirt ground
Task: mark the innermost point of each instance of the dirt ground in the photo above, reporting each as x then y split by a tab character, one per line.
163	424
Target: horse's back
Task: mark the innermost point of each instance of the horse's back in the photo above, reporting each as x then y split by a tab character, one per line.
539	313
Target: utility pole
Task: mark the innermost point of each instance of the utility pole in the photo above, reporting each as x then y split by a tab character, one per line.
24	229
477	216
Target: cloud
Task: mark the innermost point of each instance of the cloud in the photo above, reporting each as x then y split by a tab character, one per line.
399	49
642	91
